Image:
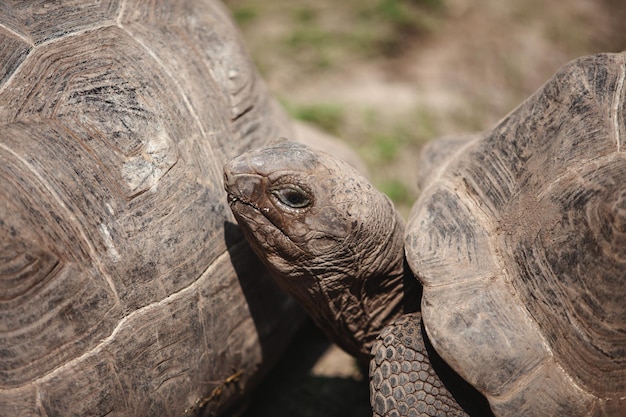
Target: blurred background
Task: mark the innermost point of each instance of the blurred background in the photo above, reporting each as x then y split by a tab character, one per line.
386	76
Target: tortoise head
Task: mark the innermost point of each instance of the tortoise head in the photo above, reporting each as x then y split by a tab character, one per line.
329	237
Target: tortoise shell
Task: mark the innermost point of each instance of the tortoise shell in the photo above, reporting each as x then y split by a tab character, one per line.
520	242
125	288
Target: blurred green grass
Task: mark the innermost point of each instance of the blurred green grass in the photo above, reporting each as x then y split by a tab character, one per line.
358	28
329	117
319	37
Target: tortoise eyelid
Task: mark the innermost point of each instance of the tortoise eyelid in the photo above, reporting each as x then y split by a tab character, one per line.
292	196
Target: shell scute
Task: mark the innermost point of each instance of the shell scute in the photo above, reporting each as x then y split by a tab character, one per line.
449	246
41	21
483	333
548	392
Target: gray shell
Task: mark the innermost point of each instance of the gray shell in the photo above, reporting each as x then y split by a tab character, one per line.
520	242
125	288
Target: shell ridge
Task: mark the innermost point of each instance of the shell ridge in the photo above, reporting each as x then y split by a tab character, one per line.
69	216
30	46
217	170
205	275
17	34
120	13
618	104
574	172
462	282
522	382
37	46
28	42
581	402
76	32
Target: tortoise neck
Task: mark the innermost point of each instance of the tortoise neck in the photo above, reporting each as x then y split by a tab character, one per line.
360	302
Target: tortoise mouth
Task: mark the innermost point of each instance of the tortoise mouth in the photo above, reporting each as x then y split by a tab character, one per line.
239	186
236	201
254	218
244	210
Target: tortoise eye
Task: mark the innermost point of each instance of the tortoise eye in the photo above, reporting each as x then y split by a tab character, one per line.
292	196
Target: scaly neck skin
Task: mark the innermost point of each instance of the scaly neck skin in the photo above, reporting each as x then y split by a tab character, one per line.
354	300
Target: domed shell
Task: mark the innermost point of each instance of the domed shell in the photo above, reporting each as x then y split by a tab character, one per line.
520	243
125	288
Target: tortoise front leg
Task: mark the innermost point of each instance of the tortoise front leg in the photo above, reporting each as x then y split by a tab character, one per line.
408	378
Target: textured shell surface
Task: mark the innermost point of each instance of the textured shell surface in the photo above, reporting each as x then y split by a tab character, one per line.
520	243
125	288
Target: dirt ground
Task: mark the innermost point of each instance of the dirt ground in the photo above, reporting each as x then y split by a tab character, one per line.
386	76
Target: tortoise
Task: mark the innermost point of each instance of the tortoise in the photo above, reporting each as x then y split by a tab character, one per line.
518	241
125	286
